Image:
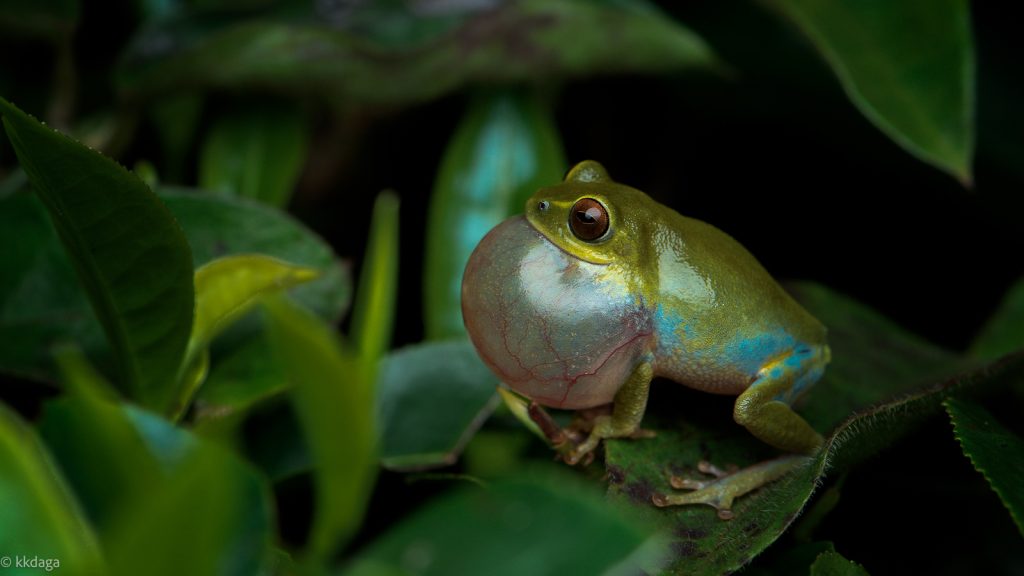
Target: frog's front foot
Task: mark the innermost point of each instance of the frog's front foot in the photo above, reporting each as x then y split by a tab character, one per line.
603	427
727	485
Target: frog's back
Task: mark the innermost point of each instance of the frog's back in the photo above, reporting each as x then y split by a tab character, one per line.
720	316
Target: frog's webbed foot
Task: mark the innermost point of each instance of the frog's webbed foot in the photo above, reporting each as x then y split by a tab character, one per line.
726	485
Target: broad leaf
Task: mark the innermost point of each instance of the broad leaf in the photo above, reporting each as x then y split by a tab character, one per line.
256	151
42	304
504	149
246	375
996	452
1004	331
333	398
210	504
99	449
40	515
873	362
431	398
408	54
539	525
127	249
917	88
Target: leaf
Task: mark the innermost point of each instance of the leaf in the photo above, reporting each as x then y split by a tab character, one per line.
176	118
431	398
539	525
996	452
255	150
503	150
380	54
248	374
41	517
210	505
374	310
98	448
131	468
874	364
218	227
917	88
42	304
830	563
333	398
1004	331
229	287
128	251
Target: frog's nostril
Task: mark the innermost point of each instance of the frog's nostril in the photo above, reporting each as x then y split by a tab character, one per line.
543	206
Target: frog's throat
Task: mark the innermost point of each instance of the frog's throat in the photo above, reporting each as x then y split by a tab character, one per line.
557	243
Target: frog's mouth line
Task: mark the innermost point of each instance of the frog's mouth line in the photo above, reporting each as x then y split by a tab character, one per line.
561	248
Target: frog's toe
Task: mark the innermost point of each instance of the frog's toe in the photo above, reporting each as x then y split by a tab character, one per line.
640	433
728	484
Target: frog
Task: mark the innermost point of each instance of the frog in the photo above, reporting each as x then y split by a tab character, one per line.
598	289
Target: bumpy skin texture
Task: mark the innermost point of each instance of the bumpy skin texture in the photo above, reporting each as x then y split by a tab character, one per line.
565	321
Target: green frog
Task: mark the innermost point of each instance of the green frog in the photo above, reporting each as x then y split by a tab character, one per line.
598	289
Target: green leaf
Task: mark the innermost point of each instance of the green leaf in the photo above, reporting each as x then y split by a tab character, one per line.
98	448
873	362
41	302
431	398
255	150
129	252
538	525
40	515
210	504
333	397
218	227
176	119
374	310
917	88
1004	331
996	452
831	563
504	149
410	55
246	375
227	288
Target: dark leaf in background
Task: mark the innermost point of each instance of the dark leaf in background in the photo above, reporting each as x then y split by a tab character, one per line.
431	398
1004	331
504	149
43	304
908	66
996	452
439	51
50	19
831	563
128	250
255	150
538	525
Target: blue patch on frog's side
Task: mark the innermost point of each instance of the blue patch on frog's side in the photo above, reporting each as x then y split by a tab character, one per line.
666	326
749	353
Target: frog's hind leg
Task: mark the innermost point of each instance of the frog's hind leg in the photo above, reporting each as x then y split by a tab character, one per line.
764	410
727	486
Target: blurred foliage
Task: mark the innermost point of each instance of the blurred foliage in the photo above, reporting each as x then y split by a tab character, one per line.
194	383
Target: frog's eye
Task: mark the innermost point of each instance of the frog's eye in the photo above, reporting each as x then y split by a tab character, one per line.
588	219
